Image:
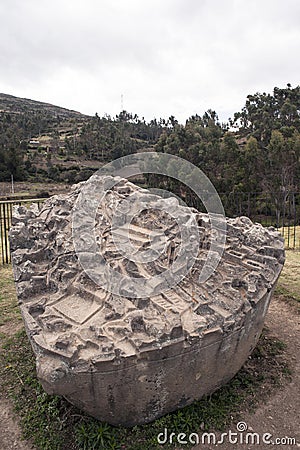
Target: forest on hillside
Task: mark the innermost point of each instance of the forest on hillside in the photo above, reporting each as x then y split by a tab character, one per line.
258	150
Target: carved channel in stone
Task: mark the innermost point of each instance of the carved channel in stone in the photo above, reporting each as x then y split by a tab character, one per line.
116	356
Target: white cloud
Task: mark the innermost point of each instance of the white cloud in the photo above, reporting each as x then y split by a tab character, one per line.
173	57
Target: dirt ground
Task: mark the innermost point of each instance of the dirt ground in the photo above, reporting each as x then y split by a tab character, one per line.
33	189
279	415
10	433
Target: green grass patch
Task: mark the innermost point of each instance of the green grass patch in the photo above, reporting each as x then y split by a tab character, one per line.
9	310
42	416
53	424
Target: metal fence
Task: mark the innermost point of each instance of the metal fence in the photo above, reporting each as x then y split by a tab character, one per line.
281	211
6	209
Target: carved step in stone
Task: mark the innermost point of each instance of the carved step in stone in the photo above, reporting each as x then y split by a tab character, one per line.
124	348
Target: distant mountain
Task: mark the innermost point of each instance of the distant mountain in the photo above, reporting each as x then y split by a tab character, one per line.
43	142
17	105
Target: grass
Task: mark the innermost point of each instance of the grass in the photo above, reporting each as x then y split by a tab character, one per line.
289	281
291	236
53	424
41	415
29	188
9	310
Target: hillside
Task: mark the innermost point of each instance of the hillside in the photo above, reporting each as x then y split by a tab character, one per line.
16	105
258	151
42	142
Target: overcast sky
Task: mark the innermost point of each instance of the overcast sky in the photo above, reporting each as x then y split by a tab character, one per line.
165	57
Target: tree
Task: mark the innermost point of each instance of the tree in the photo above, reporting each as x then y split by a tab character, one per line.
264	113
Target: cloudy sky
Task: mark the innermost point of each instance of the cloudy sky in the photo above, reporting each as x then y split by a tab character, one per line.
165	57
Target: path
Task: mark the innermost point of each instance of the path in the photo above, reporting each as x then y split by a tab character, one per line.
280	415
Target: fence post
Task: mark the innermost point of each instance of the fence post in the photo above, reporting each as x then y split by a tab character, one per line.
6	208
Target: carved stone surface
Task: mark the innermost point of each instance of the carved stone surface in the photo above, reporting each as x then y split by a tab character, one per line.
130	359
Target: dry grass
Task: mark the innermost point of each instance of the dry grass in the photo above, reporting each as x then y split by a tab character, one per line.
291	236
9	310
54	424
289	281
33	189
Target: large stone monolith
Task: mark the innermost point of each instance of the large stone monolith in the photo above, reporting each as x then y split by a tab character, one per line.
122	356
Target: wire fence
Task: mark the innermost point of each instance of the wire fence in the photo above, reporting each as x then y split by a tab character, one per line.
281	210
6	212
